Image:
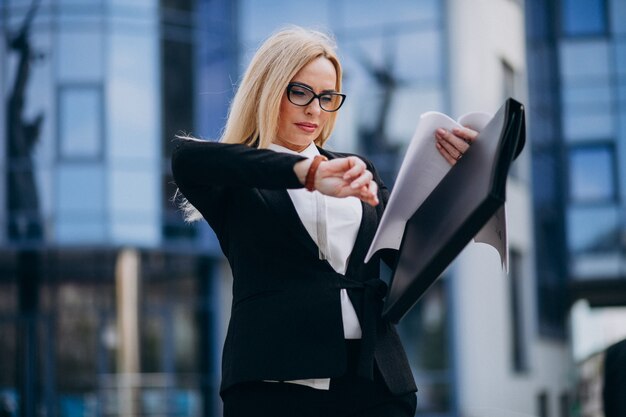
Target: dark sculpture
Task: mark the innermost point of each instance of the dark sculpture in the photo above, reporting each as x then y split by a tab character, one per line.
375	140
24	219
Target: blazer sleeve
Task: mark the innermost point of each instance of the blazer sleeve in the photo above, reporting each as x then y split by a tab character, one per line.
198	163
204	172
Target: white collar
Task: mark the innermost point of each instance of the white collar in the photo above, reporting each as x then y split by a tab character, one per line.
310	151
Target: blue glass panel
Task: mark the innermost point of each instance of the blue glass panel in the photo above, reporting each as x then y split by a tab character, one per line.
412	50
583	17
588	110
621	144
135	204
370	14
617	15
80	122
261	19
80	204
591	174
80	2
588	125
587	90
545	174
133	97
584	60
132	7
592	229
80	56
620	57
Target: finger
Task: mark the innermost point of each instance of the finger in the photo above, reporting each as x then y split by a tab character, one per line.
367	196
465	133
357	167
452	151
363	180
445	154
373	188
460	144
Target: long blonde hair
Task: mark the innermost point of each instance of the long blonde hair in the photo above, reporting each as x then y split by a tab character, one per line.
254	112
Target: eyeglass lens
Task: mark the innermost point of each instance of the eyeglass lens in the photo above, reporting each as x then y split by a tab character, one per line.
302	96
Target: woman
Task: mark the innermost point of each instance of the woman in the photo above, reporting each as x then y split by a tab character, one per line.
306	337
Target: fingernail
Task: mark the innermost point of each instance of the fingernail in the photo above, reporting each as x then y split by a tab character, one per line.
441	131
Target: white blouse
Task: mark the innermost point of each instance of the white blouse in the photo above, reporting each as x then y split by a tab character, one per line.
333	224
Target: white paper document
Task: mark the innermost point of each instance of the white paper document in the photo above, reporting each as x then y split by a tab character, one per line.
421	171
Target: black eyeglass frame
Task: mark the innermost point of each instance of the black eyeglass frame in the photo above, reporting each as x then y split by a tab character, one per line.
315	96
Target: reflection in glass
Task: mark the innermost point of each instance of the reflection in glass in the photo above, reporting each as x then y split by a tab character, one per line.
591	174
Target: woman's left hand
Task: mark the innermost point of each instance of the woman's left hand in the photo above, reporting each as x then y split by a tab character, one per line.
453	144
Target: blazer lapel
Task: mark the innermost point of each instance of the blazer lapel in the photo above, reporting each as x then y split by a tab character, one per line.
280	203
367	228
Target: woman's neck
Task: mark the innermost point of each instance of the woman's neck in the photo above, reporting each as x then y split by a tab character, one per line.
291	146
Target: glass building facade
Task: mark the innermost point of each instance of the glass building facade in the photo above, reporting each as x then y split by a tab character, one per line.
93	93
577	81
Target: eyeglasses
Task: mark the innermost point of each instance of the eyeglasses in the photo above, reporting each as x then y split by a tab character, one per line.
303	95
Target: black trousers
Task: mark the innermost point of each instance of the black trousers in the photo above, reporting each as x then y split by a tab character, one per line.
348	396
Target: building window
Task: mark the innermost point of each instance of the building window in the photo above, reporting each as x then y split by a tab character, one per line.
509	89
583	17
592	174
587	89
80	122
509	80
519	350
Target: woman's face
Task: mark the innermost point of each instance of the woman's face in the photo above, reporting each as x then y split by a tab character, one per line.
301	125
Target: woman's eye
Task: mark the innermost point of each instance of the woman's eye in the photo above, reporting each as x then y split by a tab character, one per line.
326	99
298	93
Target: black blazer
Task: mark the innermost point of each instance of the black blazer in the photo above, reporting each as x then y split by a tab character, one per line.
286	314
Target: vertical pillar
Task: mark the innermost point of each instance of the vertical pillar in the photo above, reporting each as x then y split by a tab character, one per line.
28	347
128	361
206	335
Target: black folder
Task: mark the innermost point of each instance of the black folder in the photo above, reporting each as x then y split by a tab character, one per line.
461	204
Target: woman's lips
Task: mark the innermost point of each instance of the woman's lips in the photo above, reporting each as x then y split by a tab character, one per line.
307	127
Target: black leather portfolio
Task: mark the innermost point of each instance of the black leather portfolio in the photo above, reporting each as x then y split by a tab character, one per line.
459	206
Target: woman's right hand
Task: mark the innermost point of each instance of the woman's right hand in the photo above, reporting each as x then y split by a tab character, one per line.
343	177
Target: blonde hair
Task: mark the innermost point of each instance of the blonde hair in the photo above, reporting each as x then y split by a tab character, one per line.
254	112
